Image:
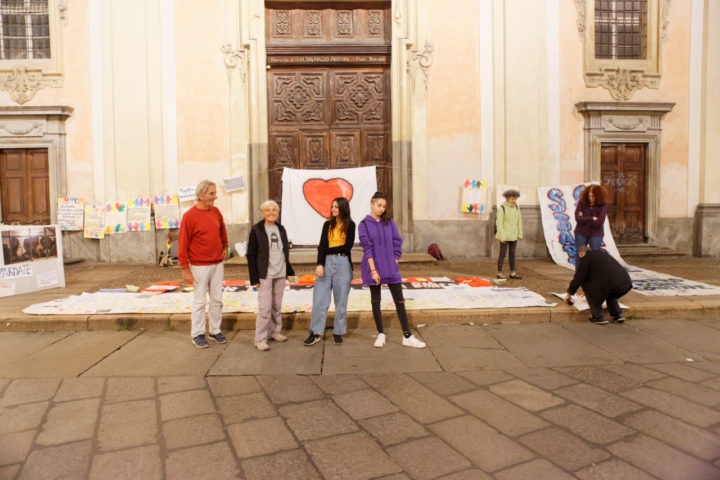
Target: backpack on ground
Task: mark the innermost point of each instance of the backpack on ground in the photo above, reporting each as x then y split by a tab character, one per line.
435	252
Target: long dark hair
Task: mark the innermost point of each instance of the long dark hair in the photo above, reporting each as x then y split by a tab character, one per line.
385	217
343	213
598	192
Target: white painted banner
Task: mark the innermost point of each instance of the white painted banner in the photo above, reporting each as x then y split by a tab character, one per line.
308	194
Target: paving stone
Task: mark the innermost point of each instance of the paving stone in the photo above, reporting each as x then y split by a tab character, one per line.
3	383
9	472
393	428
317	419
455	359
499	413
674	406
292	465
22	417
535	469
483	378
599	400
190	431
468	336
713	383
239	408
399	476
15	447
712	367
443	383
483	445
691	336
364	404
600	377
79	388
525	395
336	384
127	424
64	461
663	461
563	448
29	391
355	456
612	470
413	398
229	386
179	384
685	372
543	377
428	458
634	372
289	388
692	440
218	463
69	422
133	388
474	474
185	404
140	462
260	437
586	423
689	390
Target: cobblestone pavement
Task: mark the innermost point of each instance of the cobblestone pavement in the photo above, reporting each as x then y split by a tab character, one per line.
532	401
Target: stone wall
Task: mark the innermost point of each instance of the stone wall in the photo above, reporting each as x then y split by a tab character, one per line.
707	230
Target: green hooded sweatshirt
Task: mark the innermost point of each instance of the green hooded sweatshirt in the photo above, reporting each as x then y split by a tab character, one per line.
508	223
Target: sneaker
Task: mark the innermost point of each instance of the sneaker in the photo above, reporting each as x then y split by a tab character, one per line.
597	321
218	337
279	337
380	341
515	276
337	339
200	341
262	346
312	339
619	319
412	341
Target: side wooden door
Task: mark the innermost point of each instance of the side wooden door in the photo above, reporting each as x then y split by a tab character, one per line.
623	175
25	186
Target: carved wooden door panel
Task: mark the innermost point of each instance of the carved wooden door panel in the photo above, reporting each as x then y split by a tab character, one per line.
623	175
25	187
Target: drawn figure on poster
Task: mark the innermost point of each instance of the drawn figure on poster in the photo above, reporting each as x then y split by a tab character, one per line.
320	193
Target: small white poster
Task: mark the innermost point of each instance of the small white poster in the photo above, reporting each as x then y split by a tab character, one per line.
233	184
70	213
187	194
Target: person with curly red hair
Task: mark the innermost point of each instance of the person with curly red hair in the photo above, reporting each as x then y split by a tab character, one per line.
590	216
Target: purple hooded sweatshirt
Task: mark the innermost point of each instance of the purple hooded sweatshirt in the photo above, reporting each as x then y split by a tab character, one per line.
381	242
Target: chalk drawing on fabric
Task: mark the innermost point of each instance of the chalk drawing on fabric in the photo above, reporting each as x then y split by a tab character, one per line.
320	193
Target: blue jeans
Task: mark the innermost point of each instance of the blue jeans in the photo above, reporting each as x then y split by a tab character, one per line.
337	277
581	240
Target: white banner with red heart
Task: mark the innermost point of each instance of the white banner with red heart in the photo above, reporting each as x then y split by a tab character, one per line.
308	194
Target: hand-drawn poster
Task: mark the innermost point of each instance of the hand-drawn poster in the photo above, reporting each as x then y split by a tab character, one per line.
474	195
115	218
70	213
167	212
138	214
94	221
31	259
186	194
307	196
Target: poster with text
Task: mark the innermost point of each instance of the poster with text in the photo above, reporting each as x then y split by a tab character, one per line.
94	221
115	218
138	214
70	213
167	211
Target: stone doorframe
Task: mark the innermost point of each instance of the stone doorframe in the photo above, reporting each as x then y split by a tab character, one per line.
39	127
629	122
245	63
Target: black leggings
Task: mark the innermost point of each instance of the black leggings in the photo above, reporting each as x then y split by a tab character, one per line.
503	251
396	291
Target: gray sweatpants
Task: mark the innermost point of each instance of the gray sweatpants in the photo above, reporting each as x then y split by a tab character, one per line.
270	295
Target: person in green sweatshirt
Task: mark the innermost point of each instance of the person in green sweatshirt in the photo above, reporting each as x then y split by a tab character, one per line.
508	226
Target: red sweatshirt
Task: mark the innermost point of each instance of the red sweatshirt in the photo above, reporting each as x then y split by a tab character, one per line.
202	237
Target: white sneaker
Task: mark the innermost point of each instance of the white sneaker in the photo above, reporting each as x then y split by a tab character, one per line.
380	341
262	346
411	341
279	337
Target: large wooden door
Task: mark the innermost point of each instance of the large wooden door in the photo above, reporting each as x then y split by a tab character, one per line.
25	187
623	175
328	89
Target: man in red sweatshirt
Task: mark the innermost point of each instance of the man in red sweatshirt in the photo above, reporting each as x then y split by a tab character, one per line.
202	248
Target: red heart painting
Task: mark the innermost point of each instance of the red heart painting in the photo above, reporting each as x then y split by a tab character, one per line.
320	193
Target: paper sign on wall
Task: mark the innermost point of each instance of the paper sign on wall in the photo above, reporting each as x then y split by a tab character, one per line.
233	184
138	214
474	194
94	221
187	194
115	218
70	213
167	213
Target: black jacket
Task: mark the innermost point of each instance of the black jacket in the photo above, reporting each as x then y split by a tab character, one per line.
258	252
598	273
324	250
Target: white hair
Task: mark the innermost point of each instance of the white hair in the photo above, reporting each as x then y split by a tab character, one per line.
269	203
202	188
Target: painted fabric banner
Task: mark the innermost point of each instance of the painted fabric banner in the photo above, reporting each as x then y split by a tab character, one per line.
308	194
557	206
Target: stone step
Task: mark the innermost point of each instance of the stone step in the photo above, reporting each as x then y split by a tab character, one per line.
647	250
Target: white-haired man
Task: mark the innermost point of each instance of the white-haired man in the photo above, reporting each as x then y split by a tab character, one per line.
202	248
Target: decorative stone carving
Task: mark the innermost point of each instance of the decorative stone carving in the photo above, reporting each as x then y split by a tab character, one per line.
313	24
62	11
344	26
235	58
375	23
22	129
620	82
580	9
665	21
422	60
281	24
22	84
625	123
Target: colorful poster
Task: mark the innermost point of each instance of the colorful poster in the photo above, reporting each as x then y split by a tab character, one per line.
70	213
474	195
116	218
94	221
138	214
167	212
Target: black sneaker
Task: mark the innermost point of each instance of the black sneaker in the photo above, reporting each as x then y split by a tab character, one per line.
337	339
312	339
200	341
597	321
218	337
619	319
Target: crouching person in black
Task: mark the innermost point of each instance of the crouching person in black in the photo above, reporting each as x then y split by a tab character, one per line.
603	279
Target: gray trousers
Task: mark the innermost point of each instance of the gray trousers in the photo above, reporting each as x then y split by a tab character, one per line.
208	281
270	295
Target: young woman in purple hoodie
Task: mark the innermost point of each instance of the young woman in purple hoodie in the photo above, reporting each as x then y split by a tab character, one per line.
381	242
590	216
